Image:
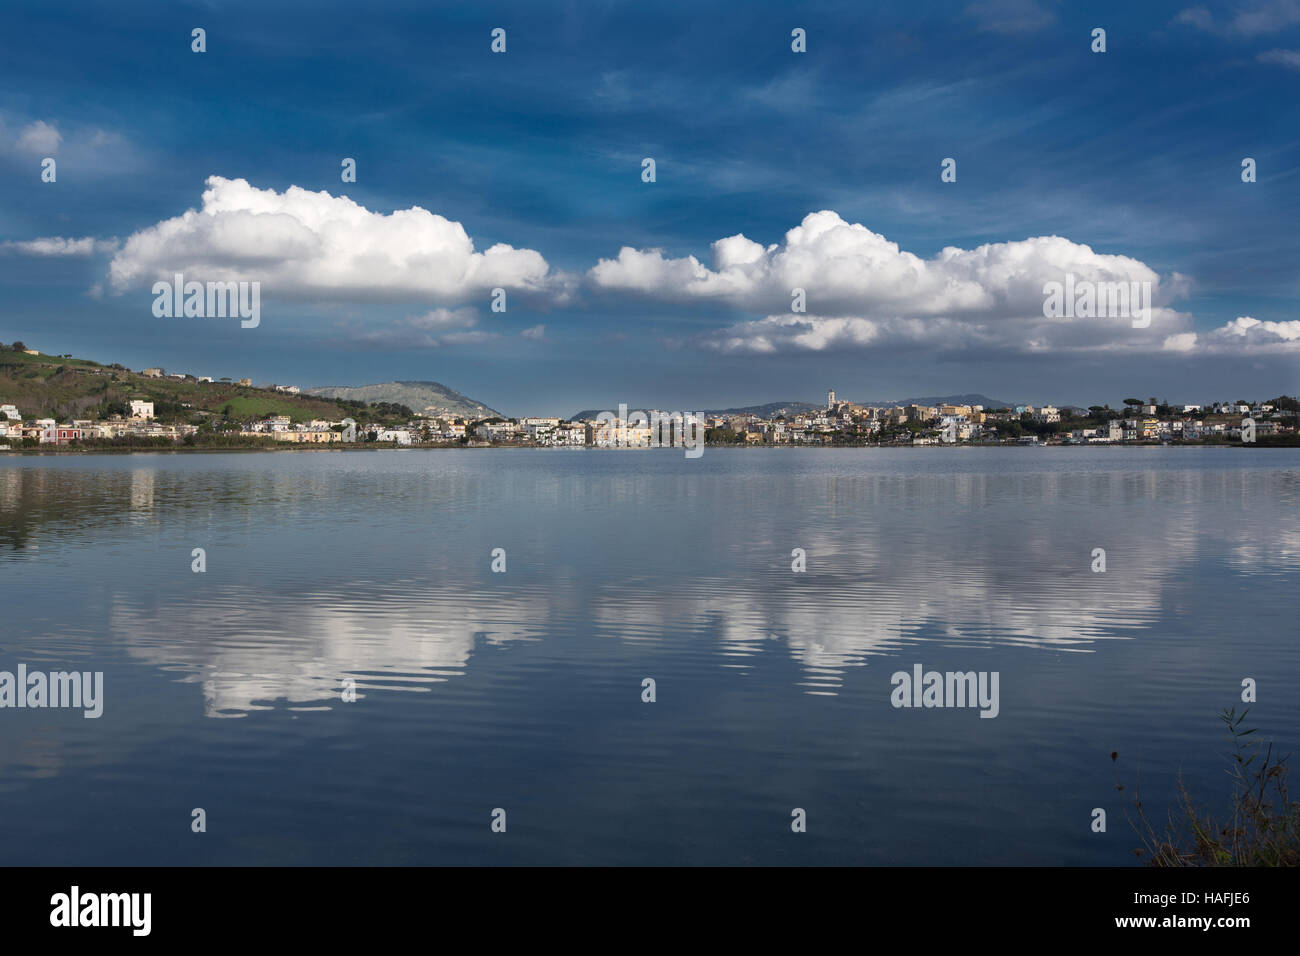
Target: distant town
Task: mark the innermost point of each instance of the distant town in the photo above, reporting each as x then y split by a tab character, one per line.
122	409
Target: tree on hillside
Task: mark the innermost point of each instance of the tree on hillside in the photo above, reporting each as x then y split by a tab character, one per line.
1131	402
18	347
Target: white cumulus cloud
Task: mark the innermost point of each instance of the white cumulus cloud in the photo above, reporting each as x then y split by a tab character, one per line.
1252	331
314	245
862	289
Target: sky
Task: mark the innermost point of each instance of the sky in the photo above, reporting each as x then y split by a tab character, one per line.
774	170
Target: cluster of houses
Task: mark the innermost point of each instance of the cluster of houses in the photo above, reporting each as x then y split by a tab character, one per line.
186	377
913	423
140	423
47	431
1145	422
932	424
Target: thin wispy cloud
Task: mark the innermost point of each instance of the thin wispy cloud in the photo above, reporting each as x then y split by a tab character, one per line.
1287	58
436	329
1011	16
1251	19
55	246
39	138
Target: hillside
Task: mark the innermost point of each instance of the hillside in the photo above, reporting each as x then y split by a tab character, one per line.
48	386
425	398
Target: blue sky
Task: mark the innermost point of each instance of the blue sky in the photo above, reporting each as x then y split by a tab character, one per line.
1134	153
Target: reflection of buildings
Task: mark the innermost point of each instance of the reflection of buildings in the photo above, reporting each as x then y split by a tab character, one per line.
11	481
142	489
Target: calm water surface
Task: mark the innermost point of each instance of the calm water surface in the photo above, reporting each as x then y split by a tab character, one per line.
522	690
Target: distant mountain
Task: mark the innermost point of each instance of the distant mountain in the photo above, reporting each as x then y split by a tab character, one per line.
423	398
769	410
971	399
789	409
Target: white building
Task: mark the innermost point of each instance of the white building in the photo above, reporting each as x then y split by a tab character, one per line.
569	435
495	431
955	427
540	429
141	410
10	412
400	435
276	423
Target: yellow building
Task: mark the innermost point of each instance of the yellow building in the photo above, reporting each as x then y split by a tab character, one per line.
310	436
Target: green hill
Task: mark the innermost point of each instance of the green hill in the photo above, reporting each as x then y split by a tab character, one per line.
50	386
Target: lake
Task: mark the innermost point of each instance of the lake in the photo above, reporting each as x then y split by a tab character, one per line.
329	576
